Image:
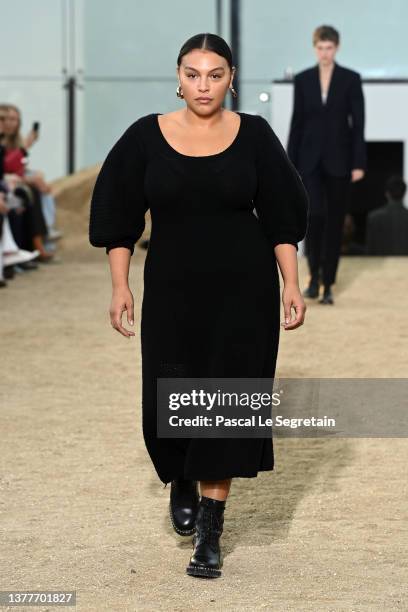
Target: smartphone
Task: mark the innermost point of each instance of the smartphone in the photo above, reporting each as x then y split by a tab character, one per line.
36	126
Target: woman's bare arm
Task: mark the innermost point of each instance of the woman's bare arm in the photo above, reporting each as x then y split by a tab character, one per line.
286	256
122	298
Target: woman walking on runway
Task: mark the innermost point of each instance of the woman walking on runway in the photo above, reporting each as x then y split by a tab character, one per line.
211	302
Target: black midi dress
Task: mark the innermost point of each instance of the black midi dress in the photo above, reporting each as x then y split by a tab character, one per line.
211	301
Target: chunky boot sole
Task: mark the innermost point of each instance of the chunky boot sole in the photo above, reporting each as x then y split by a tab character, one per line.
203	572
182	532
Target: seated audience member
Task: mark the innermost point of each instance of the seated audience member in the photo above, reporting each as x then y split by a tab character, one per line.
387	227
10	254
36	178
34	232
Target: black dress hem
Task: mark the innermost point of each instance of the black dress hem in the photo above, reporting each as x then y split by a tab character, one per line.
223	477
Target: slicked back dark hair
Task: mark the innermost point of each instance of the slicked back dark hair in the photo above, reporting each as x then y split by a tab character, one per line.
209	42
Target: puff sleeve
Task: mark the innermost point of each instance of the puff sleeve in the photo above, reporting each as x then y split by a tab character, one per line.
118	205
281	201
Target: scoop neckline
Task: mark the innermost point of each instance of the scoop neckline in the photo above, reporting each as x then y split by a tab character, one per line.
212	155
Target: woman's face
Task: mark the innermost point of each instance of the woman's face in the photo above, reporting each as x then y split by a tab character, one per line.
204	74
11	122
325	52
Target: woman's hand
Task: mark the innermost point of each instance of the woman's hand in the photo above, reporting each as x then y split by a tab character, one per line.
122	300
292	298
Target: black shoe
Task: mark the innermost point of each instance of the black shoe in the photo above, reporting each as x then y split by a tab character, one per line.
9	272
327	296
3	283
206	560
313	289
183	505
28	265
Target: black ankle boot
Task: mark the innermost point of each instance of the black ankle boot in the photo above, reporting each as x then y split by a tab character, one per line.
206	560
327	296
312	290
183	505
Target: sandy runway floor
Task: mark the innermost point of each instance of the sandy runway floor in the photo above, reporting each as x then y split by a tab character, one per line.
82	508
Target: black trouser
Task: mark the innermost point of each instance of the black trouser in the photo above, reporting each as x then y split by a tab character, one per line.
328	197
31	222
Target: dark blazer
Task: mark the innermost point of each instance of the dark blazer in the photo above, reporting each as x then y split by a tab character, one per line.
387	230
332	132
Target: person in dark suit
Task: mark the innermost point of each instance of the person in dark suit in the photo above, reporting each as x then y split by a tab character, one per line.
387	227
326	145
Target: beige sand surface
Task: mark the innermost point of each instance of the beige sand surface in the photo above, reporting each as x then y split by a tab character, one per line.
82	508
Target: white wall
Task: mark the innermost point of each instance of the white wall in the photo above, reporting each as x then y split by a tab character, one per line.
278	35
32	34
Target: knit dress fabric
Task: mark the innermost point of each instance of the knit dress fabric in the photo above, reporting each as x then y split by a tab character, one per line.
211	301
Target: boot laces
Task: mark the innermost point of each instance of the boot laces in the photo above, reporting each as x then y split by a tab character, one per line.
210	528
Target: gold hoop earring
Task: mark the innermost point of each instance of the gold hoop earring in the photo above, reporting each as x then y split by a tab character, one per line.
179	93
234	93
